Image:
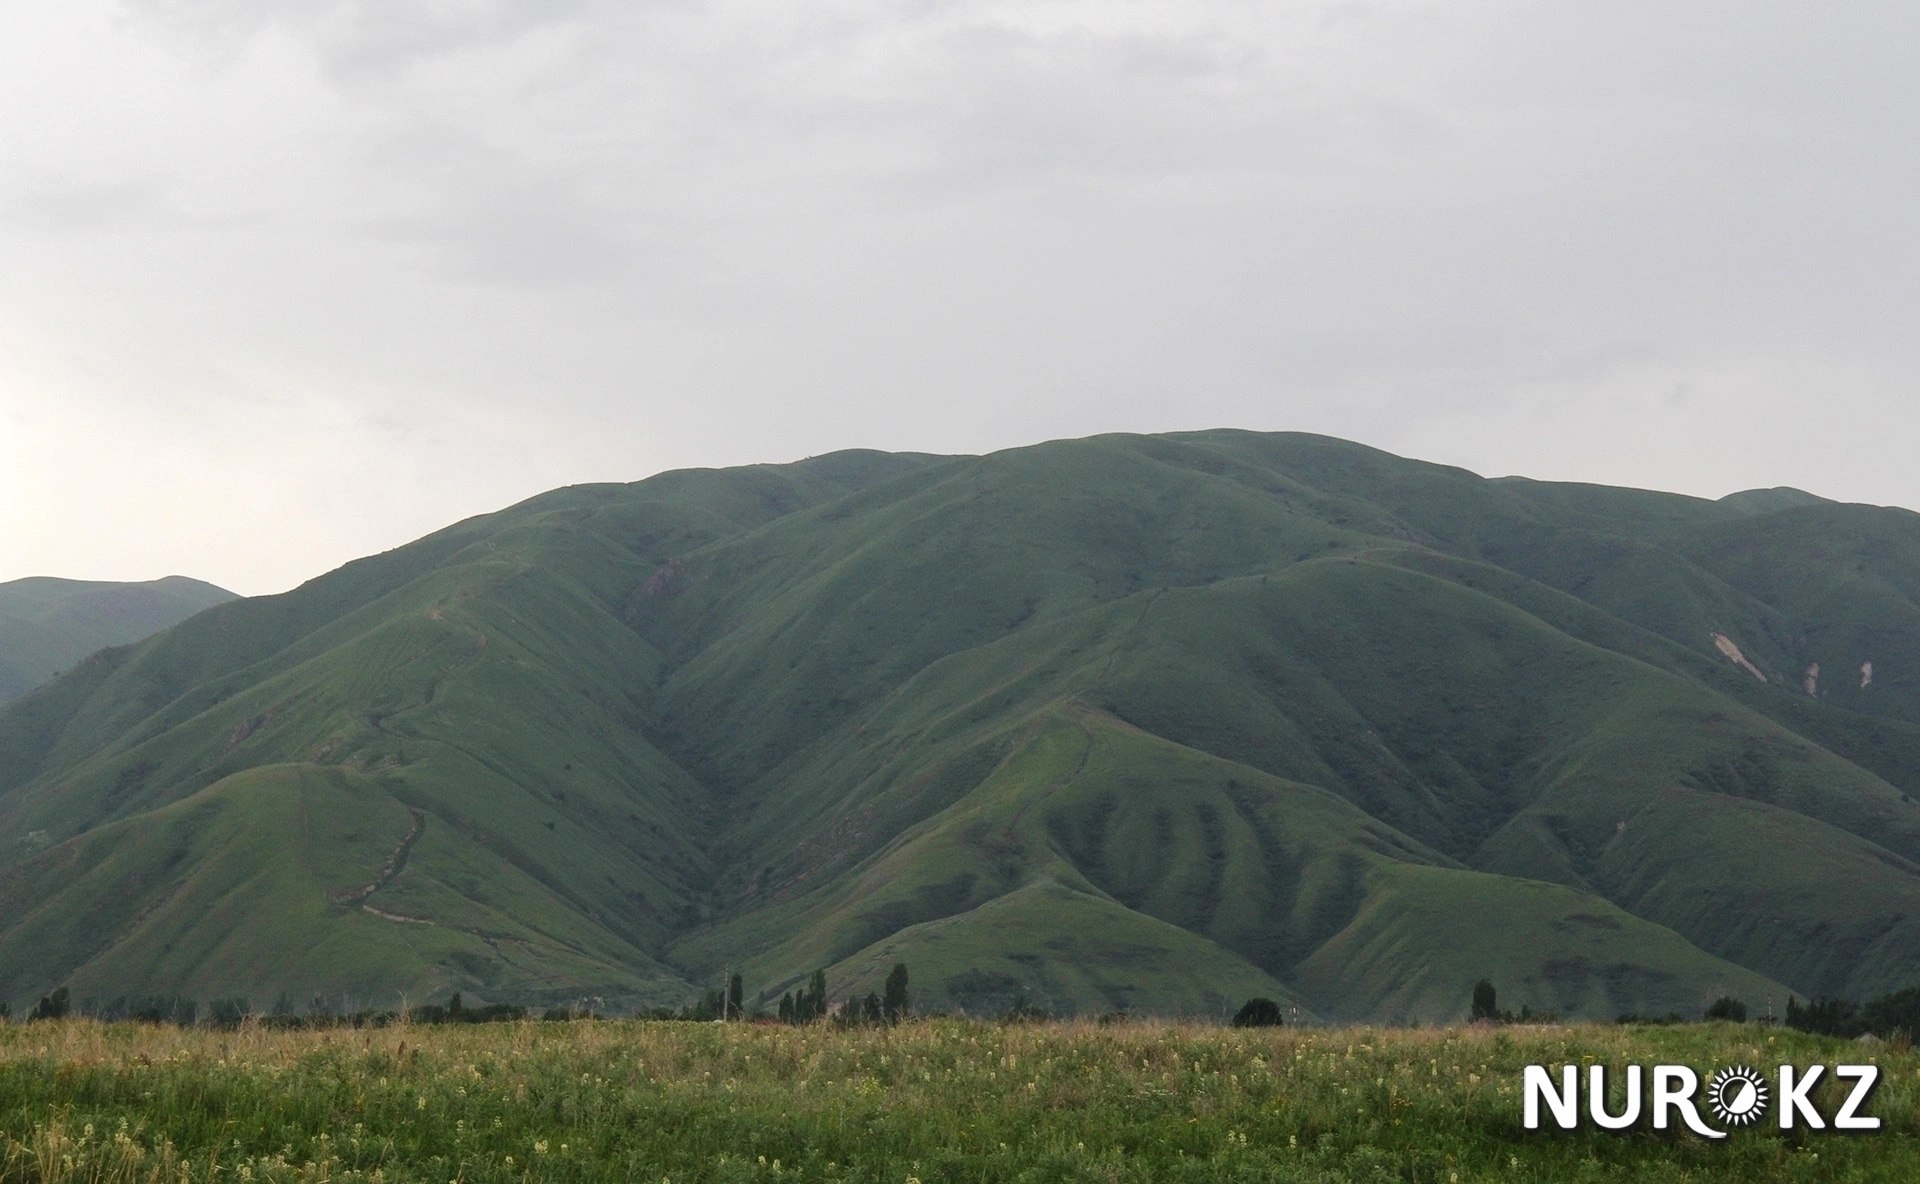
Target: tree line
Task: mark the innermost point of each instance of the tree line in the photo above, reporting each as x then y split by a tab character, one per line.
231	1012
1886	1017
807	1005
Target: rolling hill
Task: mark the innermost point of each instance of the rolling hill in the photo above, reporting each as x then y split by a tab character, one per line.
47	625
1142	722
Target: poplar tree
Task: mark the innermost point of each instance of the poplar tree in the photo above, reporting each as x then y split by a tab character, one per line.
895	1003
1483	1002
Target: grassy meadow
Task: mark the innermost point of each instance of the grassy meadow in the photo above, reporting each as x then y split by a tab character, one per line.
932	1100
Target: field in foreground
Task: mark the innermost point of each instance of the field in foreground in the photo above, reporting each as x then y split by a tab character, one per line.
928	1101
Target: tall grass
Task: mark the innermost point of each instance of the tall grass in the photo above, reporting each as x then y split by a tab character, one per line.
927	1101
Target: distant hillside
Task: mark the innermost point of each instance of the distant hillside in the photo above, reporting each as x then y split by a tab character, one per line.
1143	722
46	625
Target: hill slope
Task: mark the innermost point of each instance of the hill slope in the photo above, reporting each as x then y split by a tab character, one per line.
1144	722
46	624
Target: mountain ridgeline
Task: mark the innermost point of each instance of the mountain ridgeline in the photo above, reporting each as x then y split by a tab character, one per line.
1155	723
47	625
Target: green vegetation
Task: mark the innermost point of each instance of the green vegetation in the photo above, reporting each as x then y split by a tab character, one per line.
1895	1016
1726	1007
1151	725
1258	1013
927	1100
47	624
896	1003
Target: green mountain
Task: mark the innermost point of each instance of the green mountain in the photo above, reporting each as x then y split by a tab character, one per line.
1145	722
47	625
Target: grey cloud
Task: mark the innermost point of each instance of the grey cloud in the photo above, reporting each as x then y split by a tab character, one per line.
359	39
370	37
89	208
518	236
683	233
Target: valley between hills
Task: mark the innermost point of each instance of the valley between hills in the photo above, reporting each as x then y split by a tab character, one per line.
1142	723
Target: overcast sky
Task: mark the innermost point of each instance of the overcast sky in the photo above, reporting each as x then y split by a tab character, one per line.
284	284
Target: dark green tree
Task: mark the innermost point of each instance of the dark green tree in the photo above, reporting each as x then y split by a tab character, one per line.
1726	1007
735	994
1258	1013
817	995
1898	1012
895	1002
50	1007
712	1006
1826	1016
1484	1007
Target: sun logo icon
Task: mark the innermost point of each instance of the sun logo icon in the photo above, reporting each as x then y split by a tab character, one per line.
1738	1096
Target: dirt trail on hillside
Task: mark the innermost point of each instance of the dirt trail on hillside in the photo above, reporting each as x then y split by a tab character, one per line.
395	864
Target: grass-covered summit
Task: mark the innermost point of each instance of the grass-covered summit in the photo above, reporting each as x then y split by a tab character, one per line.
1143	722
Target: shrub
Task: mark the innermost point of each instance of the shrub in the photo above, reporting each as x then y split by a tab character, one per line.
1726	1007
50	1007
1258	1013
